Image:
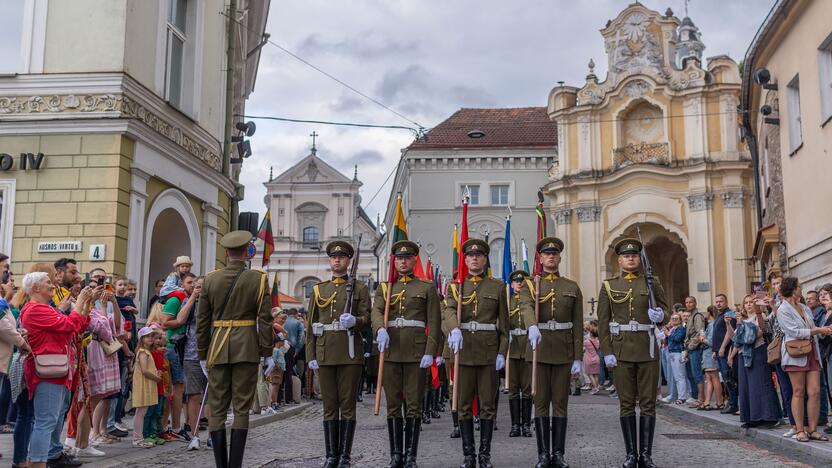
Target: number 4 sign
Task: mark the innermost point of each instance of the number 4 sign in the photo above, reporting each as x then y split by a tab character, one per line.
98	252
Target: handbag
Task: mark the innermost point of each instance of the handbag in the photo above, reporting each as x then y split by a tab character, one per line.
110	347
52	366
773	350
798	348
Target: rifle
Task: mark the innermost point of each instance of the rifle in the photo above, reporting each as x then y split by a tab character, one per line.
648	272
508	354
455	390
377	402
536	321
350	293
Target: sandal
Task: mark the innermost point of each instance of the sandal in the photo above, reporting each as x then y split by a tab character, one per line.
6	429
801	438
819	437
704	408
142	444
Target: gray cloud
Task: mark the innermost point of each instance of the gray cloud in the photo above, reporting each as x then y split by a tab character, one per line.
366	45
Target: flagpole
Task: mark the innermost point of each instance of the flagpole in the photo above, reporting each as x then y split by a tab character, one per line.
461	281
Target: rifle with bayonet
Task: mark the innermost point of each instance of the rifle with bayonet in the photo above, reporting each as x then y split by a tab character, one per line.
350	293
648	272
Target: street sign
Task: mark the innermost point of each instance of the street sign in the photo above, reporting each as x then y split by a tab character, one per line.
59	246
98	252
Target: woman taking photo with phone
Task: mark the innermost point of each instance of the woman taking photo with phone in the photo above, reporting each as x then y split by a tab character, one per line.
800	354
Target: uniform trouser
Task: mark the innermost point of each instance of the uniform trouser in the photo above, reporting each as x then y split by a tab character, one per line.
339	388
479	381
636	381
231	385
520	379
552	388
403	382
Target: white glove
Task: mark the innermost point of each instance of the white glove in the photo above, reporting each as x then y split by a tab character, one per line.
313	364
383	339
269	365
204	366
501	361
656	315
439	361
366	355
455	340
577	366
610	360
347	320
427	360
660	334
534	336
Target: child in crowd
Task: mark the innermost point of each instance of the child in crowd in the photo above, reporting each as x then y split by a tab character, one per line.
145	389
152	426
173	283
592	360
276	376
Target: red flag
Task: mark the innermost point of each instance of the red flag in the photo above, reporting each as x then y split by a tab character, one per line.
541	232
275	293
418	271
463	236
434	375
429	271
265	233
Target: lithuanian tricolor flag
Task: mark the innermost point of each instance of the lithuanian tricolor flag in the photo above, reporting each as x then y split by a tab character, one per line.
398	233
265	233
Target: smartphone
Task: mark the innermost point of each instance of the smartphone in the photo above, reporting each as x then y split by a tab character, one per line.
5	276
108	284
86	280
760	295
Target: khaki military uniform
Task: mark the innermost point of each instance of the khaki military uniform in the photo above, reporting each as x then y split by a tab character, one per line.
562	342
520	376
624	301
232	339
484	328
328	343
414	305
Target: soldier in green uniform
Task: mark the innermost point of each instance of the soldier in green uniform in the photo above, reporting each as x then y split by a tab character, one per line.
520	378
410	339
234	331
480	342
626	328
557	334
336	350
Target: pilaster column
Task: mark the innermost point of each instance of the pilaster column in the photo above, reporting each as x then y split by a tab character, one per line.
563	229
701	249
211	212
735	243
136	231
588	248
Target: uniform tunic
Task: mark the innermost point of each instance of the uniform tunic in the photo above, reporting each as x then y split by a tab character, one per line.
637	372
338	375
484	302
403	381
561	302
233	338
520	376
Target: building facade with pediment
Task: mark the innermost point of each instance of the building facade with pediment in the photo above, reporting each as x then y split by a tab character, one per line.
312	204
655	145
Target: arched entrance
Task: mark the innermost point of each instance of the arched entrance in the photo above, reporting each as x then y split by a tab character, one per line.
668	258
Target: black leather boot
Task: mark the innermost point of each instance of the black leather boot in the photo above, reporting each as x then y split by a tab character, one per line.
628	430
486	432
526	410
469	451
541	431
434	413
646	429
426	408
559	442
514	410
455	431
496	408
346	434
412	429
331	442
395	429
220	446
238	447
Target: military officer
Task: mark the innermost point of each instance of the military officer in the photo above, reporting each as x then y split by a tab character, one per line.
626	328
520	377
557	334
410	339
329	332
480	342
234	331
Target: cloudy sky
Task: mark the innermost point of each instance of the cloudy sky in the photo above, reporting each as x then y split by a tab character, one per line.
426	59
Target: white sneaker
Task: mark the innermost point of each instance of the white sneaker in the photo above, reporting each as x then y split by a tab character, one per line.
90	451
69	443
121	428
665	399
792	432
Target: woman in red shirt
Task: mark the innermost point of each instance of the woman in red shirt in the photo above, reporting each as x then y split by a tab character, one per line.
50	333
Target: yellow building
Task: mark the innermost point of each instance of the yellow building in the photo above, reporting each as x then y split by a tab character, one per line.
787	95
112	118
655	145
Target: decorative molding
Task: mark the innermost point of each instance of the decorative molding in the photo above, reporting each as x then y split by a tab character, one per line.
733	199
588	214
700	202
119	104
563	216
636	89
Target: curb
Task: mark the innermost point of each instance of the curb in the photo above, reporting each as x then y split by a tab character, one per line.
287	413
768	438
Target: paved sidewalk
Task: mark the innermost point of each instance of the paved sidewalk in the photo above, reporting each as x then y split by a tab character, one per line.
730	424
123	453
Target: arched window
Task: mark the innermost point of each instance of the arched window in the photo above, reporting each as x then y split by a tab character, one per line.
304	287
307	289
311	235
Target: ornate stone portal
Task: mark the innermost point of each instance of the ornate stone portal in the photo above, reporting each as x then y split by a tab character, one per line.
652	146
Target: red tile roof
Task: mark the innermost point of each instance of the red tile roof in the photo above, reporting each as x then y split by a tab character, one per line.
525	127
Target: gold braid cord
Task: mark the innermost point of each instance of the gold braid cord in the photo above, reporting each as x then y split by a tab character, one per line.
326	301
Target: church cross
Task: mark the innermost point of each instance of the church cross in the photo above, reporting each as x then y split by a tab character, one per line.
314	135
592	303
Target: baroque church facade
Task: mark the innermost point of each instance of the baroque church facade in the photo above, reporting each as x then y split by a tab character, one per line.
655	145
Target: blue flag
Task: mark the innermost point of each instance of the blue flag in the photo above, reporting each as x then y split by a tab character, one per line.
507	252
